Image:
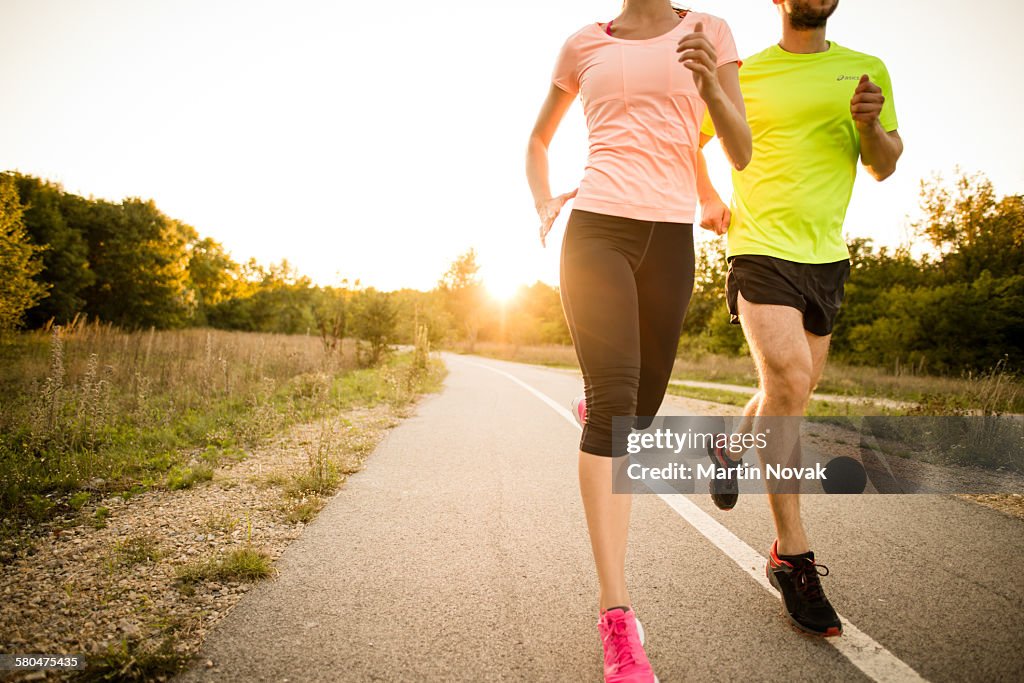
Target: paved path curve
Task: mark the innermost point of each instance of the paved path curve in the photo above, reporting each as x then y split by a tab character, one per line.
460	553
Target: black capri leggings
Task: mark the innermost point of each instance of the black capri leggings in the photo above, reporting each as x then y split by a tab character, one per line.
625	287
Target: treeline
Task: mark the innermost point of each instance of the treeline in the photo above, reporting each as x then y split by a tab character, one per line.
63	256
957	306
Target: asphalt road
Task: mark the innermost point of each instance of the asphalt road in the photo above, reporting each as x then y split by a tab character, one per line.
460	553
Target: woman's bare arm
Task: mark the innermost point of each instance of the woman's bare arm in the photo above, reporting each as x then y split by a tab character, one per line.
719	87
551	114
729	114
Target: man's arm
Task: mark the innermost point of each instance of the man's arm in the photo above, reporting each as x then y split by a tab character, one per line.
714	214
879	149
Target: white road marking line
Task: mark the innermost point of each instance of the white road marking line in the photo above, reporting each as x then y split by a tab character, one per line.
564	412
876	662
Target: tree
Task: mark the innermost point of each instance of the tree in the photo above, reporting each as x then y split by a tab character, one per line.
374	319
19	259
971	229
874	272
954	218
331	314
141	263
464	295
418	309
274	299
212	276
66	257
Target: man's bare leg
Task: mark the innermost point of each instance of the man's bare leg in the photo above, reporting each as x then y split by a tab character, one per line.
786	367
790	363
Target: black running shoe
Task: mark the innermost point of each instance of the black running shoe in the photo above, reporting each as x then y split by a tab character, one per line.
724	492
798	580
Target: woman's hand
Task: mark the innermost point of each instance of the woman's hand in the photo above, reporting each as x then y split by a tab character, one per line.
715	216
548	212
699	56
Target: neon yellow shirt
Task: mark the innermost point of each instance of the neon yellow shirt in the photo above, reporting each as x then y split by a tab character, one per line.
791	200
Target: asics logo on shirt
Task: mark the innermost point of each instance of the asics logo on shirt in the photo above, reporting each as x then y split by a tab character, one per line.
848	78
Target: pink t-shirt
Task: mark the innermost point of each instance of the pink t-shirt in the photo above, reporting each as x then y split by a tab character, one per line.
644	115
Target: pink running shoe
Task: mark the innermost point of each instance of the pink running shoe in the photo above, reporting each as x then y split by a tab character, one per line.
624	658
579	410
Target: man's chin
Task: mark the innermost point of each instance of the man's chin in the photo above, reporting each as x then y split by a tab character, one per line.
808	16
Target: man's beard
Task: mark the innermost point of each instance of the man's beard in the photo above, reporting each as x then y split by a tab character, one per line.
803	17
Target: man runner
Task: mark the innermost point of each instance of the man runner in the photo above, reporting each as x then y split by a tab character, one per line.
815	108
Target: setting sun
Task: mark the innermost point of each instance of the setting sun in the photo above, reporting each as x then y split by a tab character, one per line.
501	285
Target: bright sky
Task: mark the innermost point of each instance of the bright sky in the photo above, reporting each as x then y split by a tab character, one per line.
379	140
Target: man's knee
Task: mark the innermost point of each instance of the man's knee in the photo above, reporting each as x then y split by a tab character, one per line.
787	381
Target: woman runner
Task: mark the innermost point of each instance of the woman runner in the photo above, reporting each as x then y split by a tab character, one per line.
645	80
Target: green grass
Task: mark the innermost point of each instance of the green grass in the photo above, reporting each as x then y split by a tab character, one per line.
184	477
241	564
135	550
304	510
723	396
815	408
78	500
320	480
100	516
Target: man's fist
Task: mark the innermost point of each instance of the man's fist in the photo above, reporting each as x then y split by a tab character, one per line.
715	216
866	105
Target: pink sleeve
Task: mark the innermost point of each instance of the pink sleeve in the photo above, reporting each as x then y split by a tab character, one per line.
725	45
566	74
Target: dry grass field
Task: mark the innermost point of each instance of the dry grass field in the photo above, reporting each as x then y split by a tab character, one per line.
89	409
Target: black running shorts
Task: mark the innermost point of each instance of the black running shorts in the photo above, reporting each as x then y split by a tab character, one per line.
815	289
625	287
